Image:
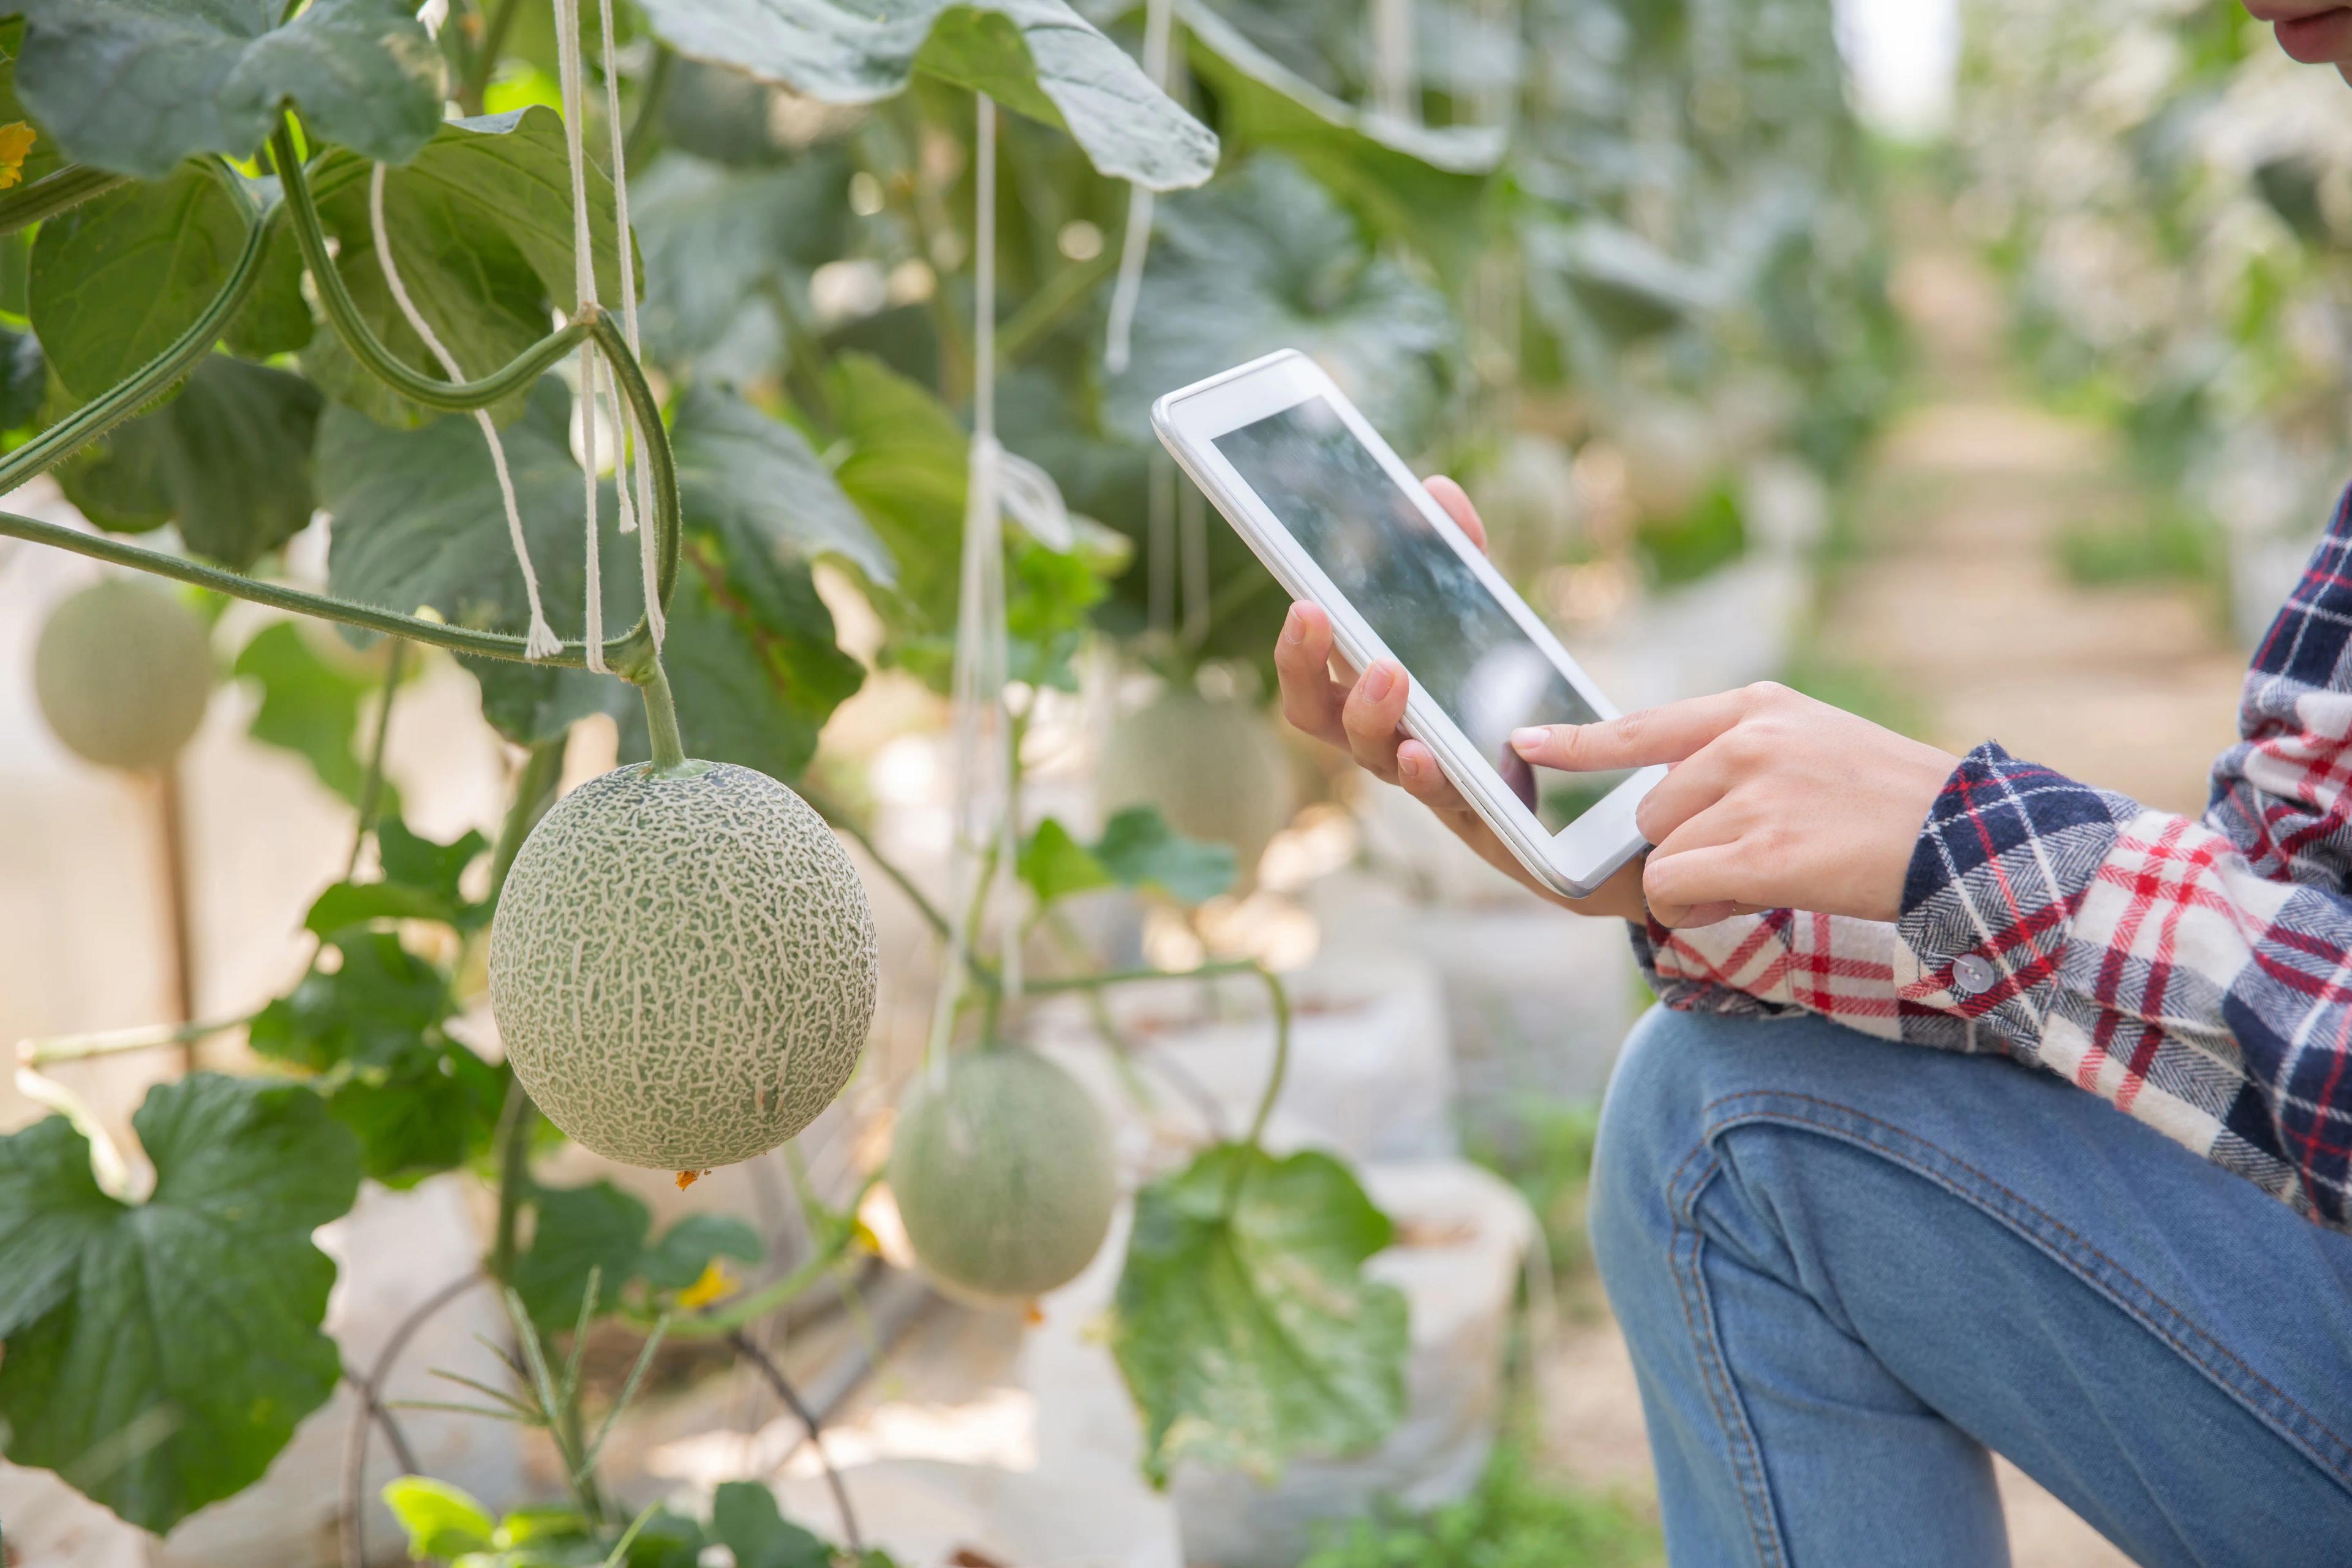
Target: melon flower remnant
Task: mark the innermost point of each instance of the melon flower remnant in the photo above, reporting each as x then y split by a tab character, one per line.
683	965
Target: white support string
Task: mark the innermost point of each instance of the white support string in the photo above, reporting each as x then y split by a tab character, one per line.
1118	339
584	284
633	433
540	641
987	810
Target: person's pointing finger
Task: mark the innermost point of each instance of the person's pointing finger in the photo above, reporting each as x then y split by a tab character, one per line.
1666	734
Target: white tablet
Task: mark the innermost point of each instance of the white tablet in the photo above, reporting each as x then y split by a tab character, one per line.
1343	523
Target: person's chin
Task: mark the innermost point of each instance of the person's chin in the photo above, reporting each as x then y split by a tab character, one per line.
2323	39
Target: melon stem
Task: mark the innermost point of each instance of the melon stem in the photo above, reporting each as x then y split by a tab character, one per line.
661	720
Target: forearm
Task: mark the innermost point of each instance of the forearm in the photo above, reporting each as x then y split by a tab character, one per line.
2141	956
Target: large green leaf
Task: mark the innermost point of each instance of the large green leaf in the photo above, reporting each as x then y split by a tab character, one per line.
1423	187
371	1008
310	706
42	157
1037	56
720	242
481	222
116	279
1245	1326
372	1024
598	1229
441	1521
1267	258
745	1519
136	86
1598	285
1141	850
418	522
420	880
751	655
1137	849
159	1355
603	1229
24	378
228	459
753	480
905	462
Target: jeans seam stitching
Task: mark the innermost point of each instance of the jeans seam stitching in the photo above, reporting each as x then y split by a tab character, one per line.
2284	1429
1755	1489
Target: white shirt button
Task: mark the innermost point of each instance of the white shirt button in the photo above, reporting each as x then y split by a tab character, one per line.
1971	975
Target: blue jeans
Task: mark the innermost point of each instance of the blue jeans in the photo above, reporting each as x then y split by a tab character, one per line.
1848	1269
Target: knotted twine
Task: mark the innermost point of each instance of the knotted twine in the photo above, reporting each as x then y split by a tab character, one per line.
600	391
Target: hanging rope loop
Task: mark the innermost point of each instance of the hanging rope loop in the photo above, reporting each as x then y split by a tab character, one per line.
540	641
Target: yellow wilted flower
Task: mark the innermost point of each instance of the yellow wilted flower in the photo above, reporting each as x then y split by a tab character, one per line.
16	139
715	1285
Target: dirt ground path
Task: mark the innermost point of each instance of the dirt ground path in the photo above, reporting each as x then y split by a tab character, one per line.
1954	603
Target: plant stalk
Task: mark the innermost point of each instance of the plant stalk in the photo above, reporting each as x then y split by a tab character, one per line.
55	192
118	402
644	127
487	49
343	312
171	825
1137	976
102	413
513	1145
535	787
661	722
276	596
1279	996
747	1309
1044	310
851	1537
395	660
841	820
116	1042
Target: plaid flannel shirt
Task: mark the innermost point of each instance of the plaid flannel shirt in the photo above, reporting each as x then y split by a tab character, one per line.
2196	973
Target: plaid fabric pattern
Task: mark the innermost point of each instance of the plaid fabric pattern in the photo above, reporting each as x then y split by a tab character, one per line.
2196	974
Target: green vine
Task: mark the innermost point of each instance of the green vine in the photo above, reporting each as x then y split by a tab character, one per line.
631	655
58	191
343	312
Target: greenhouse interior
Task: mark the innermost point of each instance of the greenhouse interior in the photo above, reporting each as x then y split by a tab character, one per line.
680	884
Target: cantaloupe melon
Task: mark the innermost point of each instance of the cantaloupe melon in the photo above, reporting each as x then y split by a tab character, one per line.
123	671
1003	1175
683	965
1215	769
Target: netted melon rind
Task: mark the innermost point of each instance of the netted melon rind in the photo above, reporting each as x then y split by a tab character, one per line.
1004	1176
683	968
123	671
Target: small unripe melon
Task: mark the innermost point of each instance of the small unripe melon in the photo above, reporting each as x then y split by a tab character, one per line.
1215	769
1003	1175
683	965
123	671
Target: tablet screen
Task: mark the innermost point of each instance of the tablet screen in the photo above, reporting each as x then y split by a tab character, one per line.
1432	611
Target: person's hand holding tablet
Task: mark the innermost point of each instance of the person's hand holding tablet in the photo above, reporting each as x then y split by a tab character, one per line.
1772	800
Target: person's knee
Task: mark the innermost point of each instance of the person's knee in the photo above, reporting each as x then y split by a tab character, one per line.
1675	1072
1651	1123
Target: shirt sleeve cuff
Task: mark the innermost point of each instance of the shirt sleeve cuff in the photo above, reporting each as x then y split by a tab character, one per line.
2000	866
